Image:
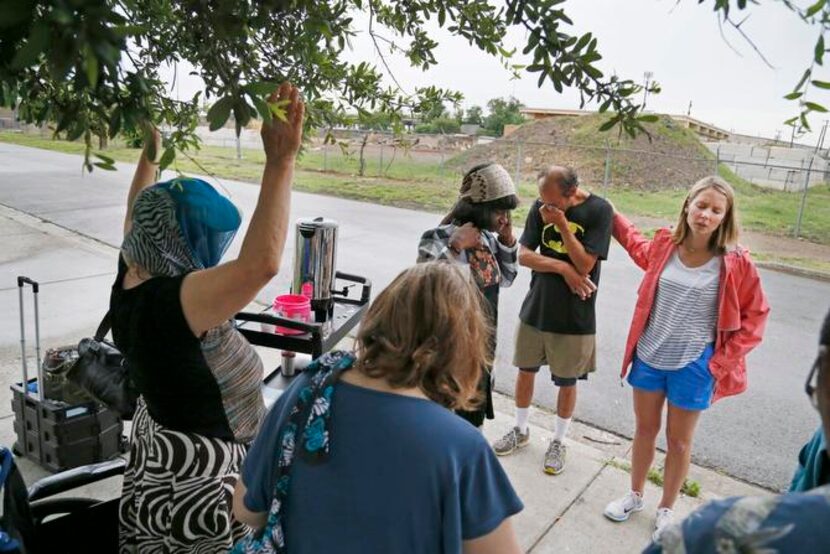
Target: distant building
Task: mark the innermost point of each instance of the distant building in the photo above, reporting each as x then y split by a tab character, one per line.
704	130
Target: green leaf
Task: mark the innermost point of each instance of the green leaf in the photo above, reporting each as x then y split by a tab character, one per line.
804	123
609	124
91	66
820	84
61	15
150	144
278	109
14	13
36	44
76	131
167	158
583	41
104	166
261	108
815	8
261	88
803	79
819	50
219	113
241	113
815	107
103	158
794	96
592	72
130	30
115	122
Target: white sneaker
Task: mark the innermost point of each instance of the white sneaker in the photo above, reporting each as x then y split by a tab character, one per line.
663	520
622	508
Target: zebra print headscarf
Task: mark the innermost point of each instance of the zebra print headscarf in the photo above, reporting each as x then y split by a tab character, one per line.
180	226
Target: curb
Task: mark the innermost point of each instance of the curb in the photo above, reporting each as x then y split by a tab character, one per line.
795	270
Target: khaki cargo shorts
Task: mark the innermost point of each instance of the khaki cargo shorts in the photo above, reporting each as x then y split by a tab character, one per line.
568	356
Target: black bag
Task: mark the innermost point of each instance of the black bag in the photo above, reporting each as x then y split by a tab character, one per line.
101	371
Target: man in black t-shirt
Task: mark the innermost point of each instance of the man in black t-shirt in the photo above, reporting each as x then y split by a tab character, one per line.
571	228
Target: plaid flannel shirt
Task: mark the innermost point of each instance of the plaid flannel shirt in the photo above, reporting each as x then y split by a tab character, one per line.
434	245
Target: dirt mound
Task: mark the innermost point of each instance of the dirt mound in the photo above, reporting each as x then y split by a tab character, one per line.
672	158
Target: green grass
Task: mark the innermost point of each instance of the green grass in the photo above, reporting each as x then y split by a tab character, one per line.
690	487
797	261
432	186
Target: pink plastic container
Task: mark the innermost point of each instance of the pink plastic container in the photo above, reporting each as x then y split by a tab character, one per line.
292	306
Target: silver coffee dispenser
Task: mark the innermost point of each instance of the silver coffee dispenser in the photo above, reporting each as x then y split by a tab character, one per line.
315	263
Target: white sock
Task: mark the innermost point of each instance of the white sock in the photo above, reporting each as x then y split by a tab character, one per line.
560	429
521	419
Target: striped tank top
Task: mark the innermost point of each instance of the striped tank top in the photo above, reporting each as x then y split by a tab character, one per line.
684	316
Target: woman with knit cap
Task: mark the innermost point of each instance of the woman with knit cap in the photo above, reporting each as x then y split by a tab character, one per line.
478	233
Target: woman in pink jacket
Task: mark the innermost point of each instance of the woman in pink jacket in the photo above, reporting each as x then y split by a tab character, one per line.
700	310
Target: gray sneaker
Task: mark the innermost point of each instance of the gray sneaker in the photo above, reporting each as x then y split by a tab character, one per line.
555	458
511	441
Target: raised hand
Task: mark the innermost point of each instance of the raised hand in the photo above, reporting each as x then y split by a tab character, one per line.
505	231
553	215
281	138
464	237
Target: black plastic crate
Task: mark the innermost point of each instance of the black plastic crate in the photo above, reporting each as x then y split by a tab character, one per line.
94	449
59	436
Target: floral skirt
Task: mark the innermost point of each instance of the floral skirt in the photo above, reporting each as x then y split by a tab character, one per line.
178	490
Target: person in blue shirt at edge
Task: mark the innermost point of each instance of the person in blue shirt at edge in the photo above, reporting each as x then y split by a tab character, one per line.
793	522
362	453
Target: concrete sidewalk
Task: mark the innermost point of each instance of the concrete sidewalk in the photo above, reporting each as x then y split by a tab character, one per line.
562	513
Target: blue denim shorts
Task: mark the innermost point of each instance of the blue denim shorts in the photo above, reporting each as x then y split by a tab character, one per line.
690	387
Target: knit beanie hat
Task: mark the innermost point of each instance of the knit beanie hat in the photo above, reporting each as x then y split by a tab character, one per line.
487	183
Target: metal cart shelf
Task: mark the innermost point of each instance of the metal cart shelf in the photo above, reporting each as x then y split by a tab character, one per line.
317	338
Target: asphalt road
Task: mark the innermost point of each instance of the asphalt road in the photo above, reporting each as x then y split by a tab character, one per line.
755	436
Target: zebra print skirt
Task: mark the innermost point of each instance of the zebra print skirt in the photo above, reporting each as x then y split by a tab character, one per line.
178	489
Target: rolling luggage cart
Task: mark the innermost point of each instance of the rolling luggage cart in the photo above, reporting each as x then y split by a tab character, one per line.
55	434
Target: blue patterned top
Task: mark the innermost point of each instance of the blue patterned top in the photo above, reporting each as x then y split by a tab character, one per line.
401	474
793	522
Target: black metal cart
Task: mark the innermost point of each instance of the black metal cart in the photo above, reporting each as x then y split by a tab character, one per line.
317	338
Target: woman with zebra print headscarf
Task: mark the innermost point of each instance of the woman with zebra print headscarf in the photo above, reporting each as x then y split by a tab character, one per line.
171	307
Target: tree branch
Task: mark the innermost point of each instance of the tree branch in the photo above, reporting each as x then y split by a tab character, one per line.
737	27
377	49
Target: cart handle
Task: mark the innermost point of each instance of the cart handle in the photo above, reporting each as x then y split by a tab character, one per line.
366	292
313	328
21	280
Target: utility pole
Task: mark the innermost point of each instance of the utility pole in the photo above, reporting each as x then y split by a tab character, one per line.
820	142
689	110
648	75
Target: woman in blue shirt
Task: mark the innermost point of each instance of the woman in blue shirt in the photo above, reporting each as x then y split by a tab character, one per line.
362	453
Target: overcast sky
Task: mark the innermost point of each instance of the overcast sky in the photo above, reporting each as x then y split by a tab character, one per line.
679	42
